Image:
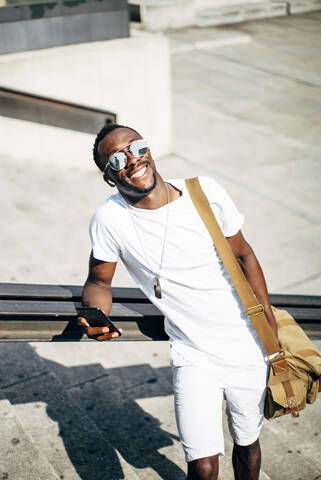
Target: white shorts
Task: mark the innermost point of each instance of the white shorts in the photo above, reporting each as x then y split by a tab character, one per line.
199	391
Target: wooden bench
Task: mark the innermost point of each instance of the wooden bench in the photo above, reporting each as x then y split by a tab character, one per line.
47	313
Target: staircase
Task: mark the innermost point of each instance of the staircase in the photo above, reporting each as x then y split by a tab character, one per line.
89	422
45	432
20	457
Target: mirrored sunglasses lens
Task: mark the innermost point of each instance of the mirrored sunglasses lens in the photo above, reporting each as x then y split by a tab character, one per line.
118	161
139	148
142	151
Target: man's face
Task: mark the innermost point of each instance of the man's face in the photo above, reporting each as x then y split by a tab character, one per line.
138	177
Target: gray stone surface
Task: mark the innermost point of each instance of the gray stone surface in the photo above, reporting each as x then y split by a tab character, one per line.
19	456
295	442
246	104
252	117
58	425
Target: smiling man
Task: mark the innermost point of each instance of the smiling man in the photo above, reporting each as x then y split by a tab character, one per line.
153	227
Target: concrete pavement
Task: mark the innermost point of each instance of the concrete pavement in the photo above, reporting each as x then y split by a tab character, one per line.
246	105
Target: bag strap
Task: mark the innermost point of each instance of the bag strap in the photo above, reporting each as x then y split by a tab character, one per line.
253	309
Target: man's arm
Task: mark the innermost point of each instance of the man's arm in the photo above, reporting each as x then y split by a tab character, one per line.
97	293
254	275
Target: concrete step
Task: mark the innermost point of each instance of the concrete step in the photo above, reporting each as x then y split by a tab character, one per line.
239	12
113	407
156	15
140	423
133	384
221	13
294	444
139	398
73	444
20	459
140	419
59	427
302	6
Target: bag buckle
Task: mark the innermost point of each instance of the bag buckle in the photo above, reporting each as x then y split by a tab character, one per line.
279	364
258	309
276	356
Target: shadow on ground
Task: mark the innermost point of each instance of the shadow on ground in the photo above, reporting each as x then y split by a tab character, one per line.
96	412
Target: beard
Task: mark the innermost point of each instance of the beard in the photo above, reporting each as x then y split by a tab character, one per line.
141	191
146	190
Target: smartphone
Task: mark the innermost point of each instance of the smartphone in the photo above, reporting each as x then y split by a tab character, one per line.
97	318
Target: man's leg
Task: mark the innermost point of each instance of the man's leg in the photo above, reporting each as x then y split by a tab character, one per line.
198	409
203	468
246	461
245	408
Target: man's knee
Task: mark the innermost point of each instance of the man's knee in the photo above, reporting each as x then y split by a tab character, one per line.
248	450
203	468
247	461
250	454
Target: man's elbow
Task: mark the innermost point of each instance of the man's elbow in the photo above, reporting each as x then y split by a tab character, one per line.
99	284
246	255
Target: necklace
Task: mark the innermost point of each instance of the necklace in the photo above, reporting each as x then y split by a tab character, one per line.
157	287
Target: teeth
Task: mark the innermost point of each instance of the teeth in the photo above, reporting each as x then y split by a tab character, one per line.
140	173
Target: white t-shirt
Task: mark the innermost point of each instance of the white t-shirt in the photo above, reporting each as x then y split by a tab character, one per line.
203	313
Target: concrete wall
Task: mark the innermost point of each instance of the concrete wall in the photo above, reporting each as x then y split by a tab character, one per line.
35	25
166	14
129	76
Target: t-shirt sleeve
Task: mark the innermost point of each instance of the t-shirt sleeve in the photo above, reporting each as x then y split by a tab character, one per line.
103	244
225	211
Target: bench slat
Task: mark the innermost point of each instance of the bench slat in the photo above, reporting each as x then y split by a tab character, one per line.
25	308
22	308
22	291
305	314
285	301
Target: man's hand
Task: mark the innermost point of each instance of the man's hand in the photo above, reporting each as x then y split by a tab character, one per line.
97	333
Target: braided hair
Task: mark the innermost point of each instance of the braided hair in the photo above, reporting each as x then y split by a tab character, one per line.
101	162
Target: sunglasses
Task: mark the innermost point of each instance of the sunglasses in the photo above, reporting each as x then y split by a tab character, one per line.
118	160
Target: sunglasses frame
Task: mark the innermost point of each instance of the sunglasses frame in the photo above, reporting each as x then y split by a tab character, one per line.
125	156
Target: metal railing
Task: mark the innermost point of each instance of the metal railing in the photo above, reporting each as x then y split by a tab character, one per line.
49	111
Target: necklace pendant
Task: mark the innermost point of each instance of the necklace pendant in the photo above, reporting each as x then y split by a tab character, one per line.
157	288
